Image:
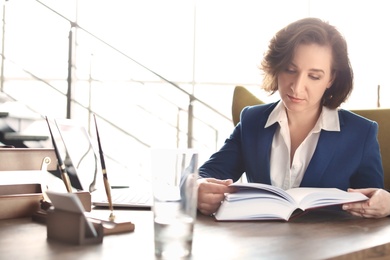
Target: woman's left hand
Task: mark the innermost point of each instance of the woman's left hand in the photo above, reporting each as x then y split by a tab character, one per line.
377	206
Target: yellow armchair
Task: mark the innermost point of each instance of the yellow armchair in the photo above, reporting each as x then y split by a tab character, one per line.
242	98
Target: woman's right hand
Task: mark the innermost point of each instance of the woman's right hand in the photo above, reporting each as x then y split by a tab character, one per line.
211	192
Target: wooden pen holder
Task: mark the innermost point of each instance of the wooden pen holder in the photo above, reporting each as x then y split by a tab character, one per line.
40	215
71	228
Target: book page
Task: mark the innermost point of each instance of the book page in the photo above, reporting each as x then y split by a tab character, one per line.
320	197
260	190
255	209
256	201
252	194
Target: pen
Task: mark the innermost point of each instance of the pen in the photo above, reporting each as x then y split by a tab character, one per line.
61	165
104	171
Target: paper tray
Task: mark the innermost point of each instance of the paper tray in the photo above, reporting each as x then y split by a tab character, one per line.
19	200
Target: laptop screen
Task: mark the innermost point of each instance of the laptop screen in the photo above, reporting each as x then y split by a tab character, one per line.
81	152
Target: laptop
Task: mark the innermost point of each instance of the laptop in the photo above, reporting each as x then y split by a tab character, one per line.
83	155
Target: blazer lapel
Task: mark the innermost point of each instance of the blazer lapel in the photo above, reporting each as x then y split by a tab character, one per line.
258	142
263	153
322	156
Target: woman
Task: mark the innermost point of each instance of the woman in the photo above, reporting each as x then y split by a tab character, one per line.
304	139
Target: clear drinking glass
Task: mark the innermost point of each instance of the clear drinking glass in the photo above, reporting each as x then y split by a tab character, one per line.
174	175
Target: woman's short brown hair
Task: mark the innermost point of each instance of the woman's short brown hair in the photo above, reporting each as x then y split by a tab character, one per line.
306	31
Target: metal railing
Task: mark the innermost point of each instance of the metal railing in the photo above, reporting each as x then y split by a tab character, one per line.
100	94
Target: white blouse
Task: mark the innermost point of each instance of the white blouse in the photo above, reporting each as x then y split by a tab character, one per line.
282	175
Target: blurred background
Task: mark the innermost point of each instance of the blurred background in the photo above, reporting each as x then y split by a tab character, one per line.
161	73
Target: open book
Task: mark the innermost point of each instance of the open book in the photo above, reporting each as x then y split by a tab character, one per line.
257	201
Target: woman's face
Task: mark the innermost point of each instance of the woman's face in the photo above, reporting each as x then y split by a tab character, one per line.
302	83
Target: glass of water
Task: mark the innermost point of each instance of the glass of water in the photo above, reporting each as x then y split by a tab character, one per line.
174	175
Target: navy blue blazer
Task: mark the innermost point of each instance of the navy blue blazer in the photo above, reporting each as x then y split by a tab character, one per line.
349	158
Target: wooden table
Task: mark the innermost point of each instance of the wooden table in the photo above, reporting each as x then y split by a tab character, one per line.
316	235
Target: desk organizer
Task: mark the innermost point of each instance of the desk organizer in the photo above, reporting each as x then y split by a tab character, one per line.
18	201
41	214
69	227
22	172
